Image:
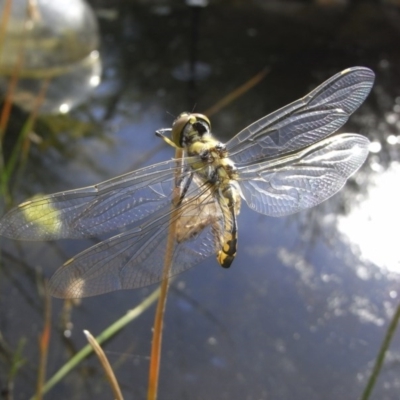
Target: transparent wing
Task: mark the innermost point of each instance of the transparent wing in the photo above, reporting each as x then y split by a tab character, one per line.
303	179
306	121
136	258
94	210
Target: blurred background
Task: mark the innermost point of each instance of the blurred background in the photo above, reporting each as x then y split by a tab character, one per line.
305	307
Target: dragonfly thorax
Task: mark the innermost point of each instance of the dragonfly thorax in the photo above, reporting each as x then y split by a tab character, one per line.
192	133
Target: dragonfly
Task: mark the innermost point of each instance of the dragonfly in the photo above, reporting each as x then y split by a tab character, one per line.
285	162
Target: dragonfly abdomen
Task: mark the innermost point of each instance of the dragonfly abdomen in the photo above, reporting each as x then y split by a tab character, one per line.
229	201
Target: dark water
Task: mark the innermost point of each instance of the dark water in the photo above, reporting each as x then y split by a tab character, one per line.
302	312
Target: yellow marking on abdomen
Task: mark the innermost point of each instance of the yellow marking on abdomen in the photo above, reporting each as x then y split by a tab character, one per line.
230	204
227	254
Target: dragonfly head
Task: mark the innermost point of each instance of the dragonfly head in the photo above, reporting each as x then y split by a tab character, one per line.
188	127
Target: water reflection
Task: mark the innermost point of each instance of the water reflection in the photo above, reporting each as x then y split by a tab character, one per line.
52	48
300	316
371	223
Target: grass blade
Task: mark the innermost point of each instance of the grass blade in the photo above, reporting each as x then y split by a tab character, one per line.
106	365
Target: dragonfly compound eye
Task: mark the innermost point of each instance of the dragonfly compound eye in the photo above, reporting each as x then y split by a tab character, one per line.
202	124
186	123
178	127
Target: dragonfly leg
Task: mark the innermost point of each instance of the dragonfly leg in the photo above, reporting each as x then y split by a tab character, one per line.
183	183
